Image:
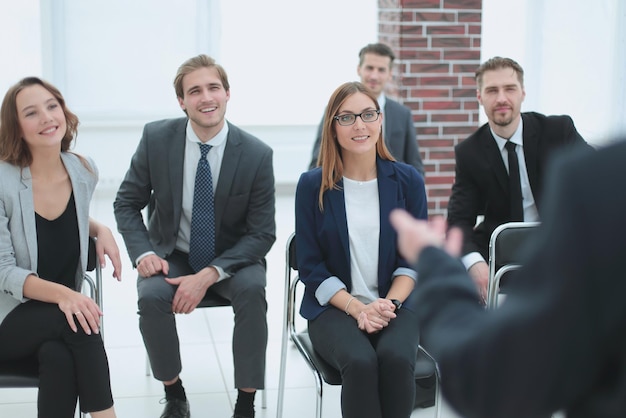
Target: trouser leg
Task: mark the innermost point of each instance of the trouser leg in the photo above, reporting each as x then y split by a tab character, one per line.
58	390
246	292
338	340
396	347
157	322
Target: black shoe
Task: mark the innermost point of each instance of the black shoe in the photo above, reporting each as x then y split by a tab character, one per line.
239	416
176	408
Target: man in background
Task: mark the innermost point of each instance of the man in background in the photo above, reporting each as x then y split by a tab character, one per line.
374	70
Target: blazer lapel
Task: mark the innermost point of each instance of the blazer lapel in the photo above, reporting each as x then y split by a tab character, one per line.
175	147
337	210
388	195
491	150
230	162
27	206
530	139
80	188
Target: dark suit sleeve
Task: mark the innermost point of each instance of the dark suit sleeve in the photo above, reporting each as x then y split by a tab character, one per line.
465	203
132	196
545	346
316	145
411	148
572	136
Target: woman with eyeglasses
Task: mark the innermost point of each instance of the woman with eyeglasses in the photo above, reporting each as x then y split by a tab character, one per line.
45	192
357	286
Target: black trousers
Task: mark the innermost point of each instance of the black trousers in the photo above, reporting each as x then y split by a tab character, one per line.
71	365
377	370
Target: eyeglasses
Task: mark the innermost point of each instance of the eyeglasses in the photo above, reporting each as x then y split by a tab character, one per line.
349	118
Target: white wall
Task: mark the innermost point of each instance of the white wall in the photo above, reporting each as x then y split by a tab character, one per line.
115	60
573	53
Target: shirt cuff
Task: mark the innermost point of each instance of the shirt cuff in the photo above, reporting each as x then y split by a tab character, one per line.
328	289
472	258
221	273
405	271
147	253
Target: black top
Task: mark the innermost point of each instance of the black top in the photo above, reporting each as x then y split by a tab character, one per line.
58	246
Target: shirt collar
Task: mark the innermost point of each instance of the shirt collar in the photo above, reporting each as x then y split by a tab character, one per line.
517	137
381	101
216	141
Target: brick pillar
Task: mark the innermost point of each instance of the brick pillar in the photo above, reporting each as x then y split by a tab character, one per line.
437	45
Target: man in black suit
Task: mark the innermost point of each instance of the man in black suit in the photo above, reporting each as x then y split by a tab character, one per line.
191	250
374	70
481	186
558	342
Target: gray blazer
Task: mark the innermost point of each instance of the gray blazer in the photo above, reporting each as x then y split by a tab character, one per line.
244	197
18	231
400	136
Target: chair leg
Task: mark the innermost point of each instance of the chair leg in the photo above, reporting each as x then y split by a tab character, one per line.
264	398
281	376
319	383
148	371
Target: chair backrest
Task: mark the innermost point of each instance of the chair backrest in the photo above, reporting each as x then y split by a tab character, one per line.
505	253
300	337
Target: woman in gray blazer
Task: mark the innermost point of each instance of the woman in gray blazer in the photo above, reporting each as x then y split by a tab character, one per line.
45	227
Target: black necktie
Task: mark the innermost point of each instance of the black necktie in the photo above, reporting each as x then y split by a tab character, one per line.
202	234
515	186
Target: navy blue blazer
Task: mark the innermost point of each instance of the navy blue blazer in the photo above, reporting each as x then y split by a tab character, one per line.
322	237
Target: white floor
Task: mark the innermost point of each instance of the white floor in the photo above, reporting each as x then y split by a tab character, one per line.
205	338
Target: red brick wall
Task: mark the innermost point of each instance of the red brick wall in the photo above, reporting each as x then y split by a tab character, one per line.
437	45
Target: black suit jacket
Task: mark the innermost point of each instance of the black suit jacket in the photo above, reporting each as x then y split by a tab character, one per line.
559	341
399	135
481	183
244	196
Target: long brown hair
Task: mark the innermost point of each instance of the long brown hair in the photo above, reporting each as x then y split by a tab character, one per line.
13	149
330	151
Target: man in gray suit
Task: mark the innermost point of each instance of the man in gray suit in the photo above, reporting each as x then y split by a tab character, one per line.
375	65
176	273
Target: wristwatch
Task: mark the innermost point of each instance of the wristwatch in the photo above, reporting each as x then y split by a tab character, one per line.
396	303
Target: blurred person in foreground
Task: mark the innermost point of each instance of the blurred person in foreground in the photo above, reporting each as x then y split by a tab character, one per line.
45	193
558	342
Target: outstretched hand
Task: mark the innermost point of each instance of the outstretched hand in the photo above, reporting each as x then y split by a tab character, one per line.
414	235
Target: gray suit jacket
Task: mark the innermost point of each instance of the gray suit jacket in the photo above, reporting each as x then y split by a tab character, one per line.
18	231
400	136
244	197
